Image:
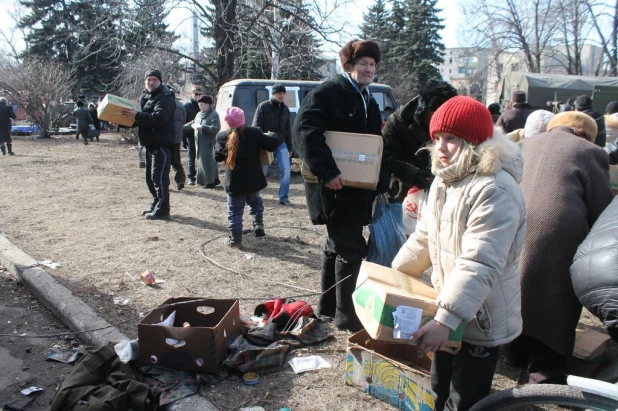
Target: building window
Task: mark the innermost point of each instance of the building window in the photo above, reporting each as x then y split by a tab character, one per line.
450	60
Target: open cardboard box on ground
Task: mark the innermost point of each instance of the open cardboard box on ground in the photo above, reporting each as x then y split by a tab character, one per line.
381	290
111	108
202	346
394	373
358	157
589	352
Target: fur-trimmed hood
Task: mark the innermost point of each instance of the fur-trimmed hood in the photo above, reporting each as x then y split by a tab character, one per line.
495	154
611	120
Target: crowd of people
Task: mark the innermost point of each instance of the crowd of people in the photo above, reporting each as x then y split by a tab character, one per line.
511	197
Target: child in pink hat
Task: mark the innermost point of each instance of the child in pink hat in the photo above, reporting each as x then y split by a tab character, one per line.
239	147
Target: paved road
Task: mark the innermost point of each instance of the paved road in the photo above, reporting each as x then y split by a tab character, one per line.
23	360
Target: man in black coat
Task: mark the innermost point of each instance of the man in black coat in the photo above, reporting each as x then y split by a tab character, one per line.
7	115
191	110
584	104
341	104
405	132
274	116
516	117
156	133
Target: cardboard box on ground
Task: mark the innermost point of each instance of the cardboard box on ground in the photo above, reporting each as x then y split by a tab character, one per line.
383	293
111	108
397	374
358	157
613	178
200	347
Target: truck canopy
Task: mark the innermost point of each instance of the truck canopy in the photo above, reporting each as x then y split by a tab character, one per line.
543	88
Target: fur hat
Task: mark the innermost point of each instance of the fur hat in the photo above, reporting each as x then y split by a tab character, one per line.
577	121
583	103
278	88
612	107
536	123
205	99
465	118
433	94
234	117
355	49
154	73
518	97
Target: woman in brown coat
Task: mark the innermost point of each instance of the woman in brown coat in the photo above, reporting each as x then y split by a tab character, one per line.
566	187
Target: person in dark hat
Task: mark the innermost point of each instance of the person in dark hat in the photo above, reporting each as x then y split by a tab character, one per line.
155	128
84	120
206	125
274	115
516	117
584	104
191	109
494	109
345	104
7	116
405	132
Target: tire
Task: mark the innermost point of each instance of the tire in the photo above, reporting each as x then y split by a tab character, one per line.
544	394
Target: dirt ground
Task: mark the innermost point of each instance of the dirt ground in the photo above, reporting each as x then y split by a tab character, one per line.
80	206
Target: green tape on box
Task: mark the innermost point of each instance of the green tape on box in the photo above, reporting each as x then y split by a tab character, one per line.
384	314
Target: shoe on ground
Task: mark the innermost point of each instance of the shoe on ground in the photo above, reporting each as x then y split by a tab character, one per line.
259	231
181	186
11	153
192	182
154	216
146	212
285	202
97	139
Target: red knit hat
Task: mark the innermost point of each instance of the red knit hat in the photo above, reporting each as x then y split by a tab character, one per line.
463	117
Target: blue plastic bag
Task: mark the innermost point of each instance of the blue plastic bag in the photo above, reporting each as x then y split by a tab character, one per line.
386	235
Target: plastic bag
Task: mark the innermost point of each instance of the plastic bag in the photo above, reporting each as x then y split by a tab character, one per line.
386	235
411	208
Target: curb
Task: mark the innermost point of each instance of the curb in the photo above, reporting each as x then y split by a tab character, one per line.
69	309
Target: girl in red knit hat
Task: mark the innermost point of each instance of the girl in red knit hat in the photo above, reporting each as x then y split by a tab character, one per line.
239	147
471	233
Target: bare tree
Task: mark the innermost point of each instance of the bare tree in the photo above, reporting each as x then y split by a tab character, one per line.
605	20
40	87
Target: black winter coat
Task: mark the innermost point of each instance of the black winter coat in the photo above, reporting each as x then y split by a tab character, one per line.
403	137
600	120
191	109
6	115
514	118
274	116
335	105
594	272
155	121
247	177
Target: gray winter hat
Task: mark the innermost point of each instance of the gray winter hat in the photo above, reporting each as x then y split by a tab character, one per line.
537	123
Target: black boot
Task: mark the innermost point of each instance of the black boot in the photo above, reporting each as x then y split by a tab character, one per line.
258	226
9	148
345	315
234	240
328	301
3	150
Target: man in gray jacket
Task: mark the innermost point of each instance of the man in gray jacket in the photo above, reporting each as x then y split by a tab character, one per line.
179	119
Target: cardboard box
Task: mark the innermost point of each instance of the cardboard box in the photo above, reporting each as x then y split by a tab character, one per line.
111	108
358	157
589	344
202	347
380	290
613	178
266	157
394	373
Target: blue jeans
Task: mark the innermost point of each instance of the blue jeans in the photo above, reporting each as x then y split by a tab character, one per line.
285	168
236	208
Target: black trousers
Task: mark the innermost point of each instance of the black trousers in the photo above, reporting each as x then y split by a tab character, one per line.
346	241
463	379
179	171
158	161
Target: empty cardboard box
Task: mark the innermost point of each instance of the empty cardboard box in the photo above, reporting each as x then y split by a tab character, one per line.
394	373
200	347
380	291
111	108
358	157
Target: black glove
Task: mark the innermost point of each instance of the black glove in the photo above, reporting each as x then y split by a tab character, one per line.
423	179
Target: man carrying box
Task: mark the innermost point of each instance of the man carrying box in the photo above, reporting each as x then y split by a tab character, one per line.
156	133
341	104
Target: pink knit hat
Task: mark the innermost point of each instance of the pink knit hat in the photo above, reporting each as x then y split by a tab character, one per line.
234	117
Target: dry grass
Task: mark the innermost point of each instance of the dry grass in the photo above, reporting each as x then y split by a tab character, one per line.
80	206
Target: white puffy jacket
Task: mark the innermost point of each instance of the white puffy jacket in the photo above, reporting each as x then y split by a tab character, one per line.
472	231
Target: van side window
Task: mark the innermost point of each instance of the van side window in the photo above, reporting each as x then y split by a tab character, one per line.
261	95
242	98
383	100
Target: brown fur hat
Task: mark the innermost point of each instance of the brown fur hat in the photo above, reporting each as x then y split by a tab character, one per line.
355	49
576	121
